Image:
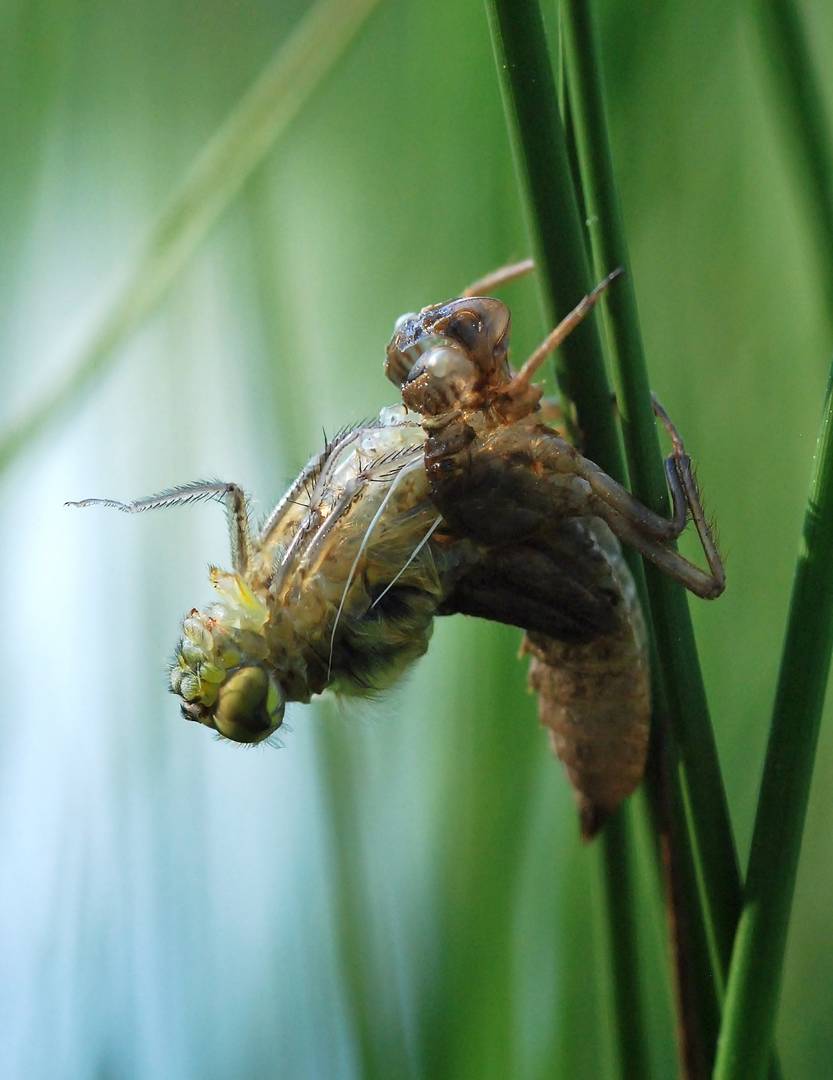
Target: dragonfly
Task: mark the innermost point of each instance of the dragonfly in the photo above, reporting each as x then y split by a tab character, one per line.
466	497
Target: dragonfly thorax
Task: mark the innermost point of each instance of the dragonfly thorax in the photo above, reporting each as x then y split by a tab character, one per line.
338	591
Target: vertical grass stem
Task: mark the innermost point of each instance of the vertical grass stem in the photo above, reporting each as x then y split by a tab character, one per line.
757	960
709	821
541	155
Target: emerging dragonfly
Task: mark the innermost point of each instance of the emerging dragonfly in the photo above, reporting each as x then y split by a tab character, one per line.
460	500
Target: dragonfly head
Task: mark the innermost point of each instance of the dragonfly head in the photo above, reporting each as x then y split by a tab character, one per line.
219	668
447	352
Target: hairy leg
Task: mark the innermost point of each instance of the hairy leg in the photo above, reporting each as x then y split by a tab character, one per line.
232	496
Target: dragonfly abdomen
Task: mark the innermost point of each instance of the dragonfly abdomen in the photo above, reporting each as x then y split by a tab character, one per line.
594	696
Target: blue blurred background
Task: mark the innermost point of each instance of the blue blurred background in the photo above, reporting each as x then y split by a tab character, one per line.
400	890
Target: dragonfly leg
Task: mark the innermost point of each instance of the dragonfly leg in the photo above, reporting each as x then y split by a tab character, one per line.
685	494
638	525
232	496
561	457
518	385
706	584
688	482
502	276
240	537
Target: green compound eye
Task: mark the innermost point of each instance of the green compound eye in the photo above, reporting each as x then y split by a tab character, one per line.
249	707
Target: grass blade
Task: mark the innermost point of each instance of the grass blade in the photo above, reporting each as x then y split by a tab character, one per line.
690	727
757	960
555	230
709	818
620	890
755	976
543	166
799	101
207	189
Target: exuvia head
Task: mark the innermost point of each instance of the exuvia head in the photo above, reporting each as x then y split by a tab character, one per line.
447	351
219	668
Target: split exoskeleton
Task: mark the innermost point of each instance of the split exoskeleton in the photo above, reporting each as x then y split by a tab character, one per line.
461	500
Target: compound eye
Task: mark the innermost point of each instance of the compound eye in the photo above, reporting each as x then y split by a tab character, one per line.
249	706
465	327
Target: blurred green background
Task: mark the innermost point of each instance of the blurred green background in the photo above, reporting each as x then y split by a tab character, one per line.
400	891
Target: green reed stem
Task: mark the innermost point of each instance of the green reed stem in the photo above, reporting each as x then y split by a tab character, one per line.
757	960
620	891
555	230
758	956
697	1006
691	730
206	190
798	101
541	156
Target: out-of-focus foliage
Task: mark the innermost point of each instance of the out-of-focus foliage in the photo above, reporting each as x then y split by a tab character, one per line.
400	891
